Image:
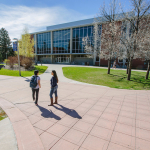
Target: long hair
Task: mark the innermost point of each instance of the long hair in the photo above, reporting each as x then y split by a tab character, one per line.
55	75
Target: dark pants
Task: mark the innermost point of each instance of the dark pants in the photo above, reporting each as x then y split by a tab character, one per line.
37	94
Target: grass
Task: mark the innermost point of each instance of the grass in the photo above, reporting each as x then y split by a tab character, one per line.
1	118
117	78
15	73
2	114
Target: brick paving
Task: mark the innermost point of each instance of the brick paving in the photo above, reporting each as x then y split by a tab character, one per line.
86	118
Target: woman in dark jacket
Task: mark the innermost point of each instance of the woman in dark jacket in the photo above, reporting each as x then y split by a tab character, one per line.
54	86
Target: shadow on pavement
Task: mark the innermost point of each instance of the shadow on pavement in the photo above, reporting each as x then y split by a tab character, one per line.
27	79
70	112
48	114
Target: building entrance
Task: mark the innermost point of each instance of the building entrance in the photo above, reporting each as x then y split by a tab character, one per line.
62	59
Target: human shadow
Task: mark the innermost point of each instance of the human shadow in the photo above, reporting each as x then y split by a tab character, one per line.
26	79
48	114
70	112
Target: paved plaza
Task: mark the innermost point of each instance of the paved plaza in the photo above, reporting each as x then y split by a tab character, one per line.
88	117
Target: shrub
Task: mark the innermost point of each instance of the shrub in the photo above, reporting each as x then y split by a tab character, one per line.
27	62
11	61
6	61
21	59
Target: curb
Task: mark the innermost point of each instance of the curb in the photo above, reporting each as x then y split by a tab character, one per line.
27	137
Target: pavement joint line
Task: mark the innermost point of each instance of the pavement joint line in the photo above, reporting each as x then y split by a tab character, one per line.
47	115
84	121
73	93
72	100
96	121
6	100
39	129
115	125
66	126
13	123
14	91
19	120
60	124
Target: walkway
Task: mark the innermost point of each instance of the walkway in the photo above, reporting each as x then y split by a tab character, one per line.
87	117
7	136
62	78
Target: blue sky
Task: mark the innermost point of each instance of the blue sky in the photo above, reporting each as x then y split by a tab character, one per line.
37	14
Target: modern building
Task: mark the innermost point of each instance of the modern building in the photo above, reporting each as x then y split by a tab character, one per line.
63	43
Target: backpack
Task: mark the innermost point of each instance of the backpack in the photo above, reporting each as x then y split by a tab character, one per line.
33	82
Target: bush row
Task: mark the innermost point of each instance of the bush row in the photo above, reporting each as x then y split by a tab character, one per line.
24	61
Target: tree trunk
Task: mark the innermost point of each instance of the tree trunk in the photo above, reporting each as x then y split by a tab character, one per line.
129	70
147	74
109	64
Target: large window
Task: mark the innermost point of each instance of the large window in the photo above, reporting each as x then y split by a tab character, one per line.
61	41
44	43
62	59
78	35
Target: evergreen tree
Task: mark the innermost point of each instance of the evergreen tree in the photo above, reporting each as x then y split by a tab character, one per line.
1	57
5	43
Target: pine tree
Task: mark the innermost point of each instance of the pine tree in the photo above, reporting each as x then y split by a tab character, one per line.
5	43
1	57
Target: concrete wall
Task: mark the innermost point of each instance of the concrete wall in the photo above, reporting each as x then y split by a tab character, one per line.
81	60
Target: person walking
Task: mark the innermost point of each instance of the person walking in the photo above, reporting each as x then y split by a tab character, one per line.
35	85
54	87
114	65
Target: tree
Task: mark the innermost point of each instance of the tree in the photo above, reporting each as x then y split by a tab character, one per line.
1	59
136	28
110	42
111	32
147	54
105	42
93	48
5	43
26	44
145	46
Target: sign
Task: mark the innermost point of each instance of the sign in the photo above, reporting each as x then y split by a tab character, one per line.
15	46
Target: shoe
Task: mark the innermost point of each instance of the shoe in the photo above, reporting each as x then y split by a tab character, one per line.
56	100
51	102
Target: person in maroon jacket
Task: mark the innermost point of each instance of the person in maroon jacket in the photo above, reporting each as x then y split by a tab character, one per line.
54	87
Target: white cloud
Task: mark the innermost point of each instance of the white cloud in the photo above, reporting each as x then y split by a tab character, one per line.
15	18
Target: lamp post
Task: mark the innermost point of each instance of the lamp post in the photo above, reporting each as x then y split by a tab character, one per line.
6	54
18	56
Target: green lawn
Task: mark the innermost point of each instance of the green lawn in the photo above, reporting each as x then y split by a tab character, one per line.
2	114
117	78
1	118
7	72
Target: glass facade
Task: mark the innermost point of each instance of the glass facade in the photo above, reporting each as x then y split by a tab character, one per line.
62	59
78	35
61	41
44	43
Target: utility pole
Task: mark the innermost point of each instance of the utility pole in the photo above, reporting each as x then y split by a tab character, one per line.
18	56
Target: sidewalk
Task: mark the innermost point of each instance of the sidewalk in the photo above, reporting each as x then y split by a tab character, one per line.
7	136
91	67
62	78
87	117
